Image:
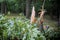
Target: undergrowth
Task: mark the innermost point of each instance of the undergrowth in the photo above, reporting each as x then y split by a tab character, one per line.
19	28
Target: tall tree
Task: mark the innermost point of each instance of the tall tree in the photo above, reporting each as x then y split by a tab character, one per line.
27	8
3	6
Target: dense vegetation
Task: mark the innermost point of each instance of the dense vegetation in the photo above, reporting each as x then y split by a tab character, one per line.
19	28
18	6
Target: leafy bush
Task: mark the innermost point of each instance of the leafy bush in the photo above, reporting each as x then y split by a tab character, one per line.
19	28
52	34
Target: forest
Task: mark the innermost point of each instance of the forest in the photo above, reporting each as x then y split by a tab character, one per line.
29	20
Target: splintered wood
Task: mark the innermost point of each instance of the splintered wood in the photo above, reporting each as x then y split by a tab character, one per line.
33	19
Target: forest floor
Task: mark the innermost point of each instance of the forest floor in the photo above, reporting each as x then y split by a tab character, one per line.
52	23
47	20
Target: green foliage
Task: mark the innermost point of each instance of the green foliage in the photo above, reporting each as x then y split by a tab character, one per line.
51	34
20	28
1	0
20	5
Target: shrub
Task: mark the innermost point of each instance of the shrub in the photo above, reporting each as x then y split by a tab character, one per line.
19	28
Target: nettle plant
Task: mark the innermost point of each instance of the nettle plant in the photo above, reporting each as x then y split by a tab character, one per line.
19	28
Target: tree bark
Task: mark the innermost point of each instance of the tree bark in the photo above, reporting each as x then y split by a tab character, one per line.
27	8
3	7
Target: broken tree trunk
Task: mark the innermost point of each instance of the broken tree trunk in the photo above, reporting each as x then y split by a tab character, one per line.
41	20
33	19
